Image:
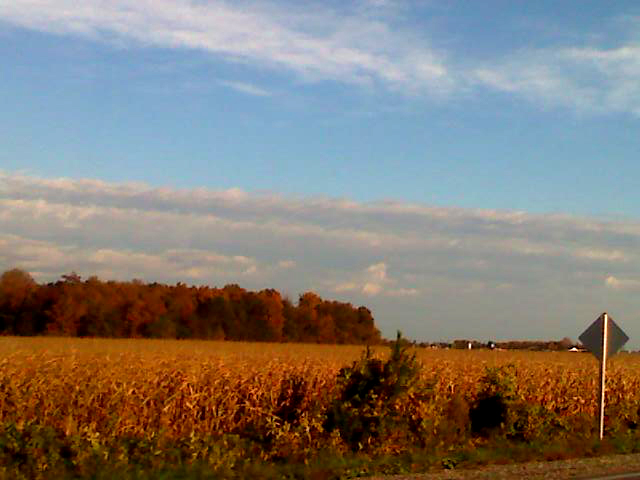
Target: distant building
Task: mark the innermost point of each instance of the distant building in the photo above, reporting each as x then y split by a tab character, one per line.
461	344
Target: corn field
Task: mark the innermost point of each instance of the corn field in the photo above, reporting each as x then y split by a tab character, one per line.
190	391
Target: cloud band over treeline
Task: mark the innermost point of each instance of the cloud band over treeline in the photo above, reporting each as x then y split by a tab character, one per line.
386	253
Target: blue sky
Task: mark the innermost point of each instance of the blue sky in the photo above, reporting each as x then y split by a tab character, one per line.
485	152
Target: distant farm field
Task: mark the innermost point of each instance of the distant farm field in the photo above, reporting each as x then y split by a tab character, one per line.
222	405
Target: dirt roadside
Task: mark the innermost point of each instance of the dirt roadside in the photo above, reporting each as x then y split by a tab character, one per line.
582	468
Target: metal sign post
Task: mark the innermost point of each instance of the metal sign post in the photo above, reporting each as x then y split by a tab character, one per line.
603	338
603	370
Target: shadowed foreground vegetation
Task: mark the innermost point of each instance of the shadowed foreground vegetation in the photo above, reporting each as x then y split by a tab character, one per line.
94	408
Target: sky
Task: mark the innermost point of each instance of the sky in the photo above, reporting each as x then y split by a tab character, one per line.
463	169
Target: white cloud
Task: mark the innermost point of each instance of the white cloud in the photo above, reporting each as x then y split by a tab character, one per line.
611	255
314	43
378	272
136	216
371	289
373	281
345	287
51	259
622	283
360	43
250	270
403	292
286	264
247	88
587	79
457	264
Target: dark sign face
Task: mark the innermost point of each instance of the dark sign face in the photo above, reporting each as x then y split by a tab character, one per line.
591	338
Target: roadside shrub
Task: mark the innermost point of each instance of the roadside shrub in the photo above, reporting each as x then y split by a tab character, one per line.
499	410
454	425
34	451
497	394
364	412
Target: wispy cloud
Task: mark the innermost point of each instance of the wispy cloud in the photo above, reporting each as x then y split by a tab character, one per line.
247	88
360	44
317	44
48	259
587	79
622	283
455	263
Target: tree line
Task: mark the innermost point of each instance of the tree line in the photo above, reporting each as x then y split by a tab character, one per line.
534	345
72	306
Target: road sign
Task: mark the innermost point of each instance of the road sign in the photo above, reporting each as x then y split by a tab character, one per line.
603	338
592	337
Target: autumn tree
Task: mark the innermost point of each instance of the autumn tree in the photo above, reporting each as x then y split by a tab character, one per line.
17	290
76	307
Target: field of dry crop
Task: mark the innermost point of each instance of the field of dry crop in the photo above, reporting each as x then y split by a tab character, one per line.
98	390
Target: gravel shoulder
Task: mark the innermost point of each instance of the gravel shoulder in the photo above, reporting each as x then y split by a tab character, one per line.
582	468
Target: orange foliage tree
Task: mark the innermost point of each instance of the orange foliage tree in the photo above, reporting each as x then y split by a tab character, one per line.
73	307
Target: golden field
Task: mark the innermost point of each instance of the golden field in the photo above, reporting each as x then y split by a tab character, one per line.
181	389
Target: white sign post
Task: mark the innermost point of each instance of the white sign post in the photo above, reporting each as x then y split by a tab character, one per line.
603	338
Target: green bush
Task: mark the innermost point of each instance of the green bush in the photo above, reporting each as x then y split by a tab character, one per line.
497	395
363	412
500	411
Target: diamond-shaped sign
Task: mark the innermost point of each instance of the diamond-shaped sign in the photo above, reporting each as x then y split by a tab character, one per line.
592	337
